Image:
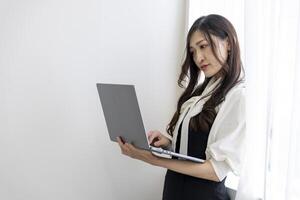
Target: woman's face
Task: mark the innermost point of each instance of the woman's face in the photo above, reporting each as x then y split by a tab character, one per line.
203	55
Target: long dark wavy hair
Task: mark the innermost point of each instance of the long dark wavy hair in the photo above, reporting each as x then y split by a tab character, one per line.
230	72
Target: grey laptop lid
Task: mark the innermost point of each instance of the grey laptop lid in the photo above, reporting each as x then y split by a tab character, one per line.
123	118
122	114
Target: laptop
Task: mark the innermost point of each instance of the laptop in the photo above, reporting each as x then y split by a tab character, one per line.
123	118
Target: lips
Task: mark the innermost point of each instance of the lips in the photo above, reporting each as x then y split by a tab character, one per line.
203	67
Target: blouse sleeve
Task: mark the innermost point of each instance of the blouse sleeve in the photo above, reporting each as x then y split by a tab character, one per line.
226	144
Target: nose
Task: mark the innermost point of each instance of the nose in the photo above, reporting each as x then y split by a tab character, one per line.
198	58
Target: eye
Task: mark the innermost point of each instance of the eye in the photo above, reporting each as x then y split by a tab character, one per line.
203	46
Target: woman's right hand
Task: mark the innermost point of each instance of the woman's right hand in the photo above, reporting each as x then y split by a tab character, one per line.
157	139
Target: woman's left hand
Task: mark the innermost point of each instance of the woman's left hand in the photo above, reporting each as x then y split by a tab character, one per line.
133	152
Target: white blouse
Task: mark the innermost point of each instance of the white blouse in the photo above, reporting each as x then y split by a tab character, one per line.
226	141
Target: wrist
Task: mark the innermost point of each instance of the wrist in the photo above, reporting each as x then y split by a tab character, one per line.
156	160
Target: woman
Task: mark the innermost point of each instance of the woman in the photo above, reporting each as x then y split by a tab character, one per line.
209	122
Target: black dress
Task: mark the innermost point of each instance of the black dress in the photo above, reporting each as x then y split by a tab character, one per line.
183	187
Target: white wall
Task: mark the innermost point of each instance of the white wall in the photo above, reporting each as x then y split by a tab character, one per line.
53	138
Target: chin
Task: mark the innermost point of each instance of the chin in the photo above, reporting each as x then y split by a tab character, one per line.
208	75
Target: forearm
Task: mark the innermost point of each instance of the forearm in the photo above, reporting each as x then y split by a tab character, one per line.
199	170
